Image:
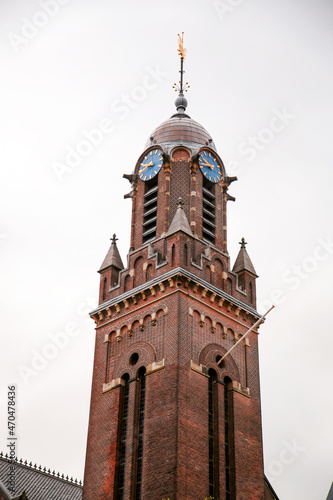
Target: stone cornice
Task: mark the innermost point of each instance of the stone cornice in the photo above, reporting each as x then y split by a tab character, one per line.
175	277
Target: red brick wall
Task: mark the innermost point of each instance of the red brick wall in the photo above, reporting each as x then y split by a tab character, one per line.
176	422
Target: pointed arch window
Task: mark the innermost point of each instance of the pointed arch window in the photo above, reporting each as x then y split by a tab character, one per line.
108	355
139	428
229	446
121	452
213	435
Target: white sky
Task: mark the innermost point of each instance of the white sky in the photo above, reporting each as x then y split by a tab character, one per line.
247	62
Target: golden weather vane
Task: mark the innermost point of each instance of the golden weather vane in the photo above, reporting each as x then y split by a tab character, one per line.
181	50
181	88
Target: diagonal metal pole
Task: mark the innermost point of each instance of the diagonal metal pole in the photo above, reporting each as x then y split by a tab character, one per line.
243	337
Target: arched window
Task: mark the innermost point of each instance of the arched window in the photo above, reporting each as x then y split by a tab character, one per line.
229	446
139	426
121	451
213	435
185	254
127	283
107	362
149	272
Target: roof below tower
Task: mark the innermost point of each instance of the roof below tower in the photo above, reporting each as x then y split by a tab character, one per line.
32	483
181	130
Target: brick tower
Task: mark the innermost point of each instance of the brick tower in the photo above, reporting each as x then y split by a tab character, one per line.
166	420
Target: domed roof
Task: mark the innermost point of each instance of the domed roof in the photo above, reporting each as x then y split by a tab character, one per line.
180	129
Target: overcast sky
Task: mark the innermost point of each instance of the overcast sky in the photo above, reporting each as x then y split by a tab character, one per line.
261	79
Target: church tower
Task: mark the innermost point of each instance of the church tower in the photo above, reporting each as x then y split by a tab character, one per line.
168	419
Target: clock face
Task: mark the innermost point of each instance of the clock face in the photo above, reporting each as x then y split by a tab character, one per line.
210	166
150	164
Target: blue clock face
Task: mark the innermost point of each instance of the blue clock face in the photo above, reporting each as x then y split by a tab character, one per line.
209	166
150	164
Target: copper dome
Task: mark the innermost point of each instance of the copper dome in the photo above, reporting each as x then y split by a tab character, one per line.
181	130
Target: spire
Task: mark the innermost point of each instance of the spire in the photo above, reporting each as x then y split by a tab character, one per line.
112	258
180	222
181	101
243	261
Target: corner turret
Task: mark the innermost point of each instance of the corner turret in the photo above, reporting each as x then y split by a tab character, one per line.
246	273
109	270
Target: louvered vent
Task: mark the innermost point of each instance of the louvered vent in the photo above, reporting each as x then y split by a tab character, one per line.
150	211
208	212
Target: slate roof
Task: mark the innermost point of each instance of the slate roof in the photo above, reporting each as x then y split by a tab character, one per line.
37	484
243	261
112	258
183	129
180	222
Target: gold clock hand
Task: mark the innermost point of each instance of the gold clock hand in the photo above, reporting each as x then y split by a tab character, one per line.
207	164
145	165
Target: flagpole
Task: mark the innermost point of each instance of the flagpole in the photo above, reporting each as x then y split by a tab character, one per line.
243	337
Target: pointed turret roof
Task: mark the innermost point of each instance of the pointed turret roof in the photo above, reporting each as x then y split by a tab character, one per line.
180	222
243	261
112	258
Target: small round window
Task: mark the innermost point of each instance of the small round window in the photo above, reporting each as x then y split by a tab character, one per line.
134	358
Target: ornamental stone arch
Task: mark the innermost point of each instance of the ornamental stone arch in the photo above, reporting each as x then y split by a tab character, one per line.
209	356
146	356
